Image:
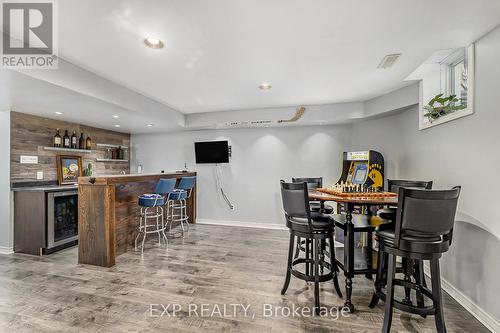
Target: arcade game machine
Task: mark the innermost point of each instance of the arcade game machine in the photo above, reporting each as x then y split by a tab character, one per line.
362	171
364	168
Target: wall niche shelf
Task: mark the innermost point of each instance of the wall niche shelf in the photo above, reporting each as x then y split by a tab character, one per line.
110	160
68	150
106	145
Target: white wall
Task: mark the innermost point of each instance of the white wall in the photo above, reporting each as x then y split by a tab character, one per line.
449	156
6	229
461	152
261	157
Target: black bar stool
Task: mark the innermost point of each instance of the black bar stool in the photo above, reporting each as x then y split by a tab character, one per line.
314	183
423	231
315	228
389	214
393	185
315	206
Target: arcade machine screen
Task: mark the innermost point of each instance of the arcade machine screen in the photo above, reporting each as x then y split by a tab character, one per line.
360	174
365	168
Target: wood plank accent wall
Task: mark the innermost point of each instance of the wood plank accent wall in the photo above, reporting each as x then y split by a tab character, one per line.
29	134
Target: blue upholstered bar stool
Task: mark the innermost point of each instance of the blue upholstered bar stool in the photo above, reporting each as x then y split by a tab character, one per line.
176	203
152	208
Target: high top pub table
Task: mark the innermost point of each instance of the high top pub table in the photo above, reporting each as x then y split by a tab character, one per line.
348	264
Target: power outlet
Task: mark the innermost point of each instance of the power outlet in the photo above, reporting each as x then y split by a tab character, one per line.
39	175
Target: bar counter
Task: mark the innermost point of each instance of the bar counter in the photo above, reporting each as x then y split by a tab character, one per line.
108	214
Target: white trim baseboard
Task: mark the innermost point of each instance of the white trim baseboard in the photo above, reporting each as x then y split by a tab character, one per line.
6	250
242	224
485	318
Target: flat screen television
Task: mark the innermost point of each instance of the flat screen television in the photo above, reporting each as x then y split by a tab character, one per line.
211	152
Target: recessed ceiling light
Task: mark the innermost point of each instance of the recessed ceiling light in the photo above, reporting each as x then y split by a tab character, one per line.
116	116
57	112
153	43
149	125
117	125
265	86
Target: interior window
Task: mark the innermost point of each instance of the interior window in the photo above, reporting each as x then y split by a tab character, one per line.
458	81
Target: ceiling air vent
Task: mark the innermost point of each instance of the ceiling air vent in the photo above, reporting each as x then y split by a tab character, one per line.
389	60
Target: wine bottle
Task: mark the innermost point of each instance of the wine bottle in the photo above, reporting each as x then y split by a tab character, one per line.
66	142
81	142
57	139
88	143
119	153
74	141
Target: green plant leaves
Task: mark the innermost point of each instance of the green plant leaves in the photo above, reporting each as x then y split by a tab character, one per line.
446	105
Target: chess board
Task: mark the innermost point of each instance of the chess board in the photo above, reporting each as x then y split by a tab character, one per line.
339	192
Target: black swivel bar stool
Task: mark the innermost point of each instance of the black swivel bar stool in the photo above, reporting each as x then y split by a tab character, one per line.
315	206
393	185
423	231
389	214
315	228
314	183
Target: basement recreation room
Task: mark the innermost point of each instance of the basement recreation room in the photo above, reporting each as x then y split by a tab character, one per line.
249	166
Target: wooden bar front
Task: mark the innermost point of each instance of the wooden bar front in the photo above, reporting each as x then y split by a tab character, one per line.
108	214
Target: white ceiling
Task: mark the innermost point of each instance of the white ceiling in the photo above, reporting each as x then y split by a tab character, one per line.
44	99
218	51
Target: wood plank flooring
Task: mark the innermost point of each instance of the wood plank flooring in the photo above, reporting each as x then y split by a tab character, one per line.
213	265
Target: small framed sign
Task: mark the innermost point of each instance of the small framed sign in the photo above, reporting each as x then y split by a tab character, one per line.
69	168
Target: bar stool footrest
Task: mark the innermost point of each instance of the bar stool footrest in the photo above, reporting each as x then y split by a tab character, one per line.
418	310
310	278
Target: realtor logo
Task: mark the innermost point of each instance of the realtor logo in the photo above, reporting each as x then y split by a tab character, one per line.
28	38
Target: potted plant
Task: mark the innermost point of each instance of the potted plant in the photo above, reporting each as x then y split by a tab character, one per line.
441	106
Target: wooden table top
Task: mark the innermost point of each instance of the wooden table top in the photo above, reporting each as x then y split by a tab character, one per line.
316	195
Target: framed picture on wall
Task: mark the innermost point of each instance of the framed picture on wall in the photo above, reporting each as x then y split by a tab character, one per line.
69	168
447	90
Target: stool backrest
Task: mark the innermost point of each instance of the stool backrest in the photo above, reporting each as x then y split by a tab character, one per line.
186	183
426	213
393	185
312	183
296	201
165	186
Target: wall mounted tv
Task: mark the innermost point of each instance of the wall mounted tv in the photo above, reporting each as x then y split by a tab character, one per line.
211	152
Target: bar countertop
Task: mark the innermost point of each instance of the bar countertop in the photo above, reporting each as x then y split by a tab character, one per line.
45	188
116	179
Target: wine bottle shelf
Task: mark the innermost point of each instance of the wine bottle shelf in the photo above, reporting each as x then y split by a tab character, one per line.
110	160
106	145
69	150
